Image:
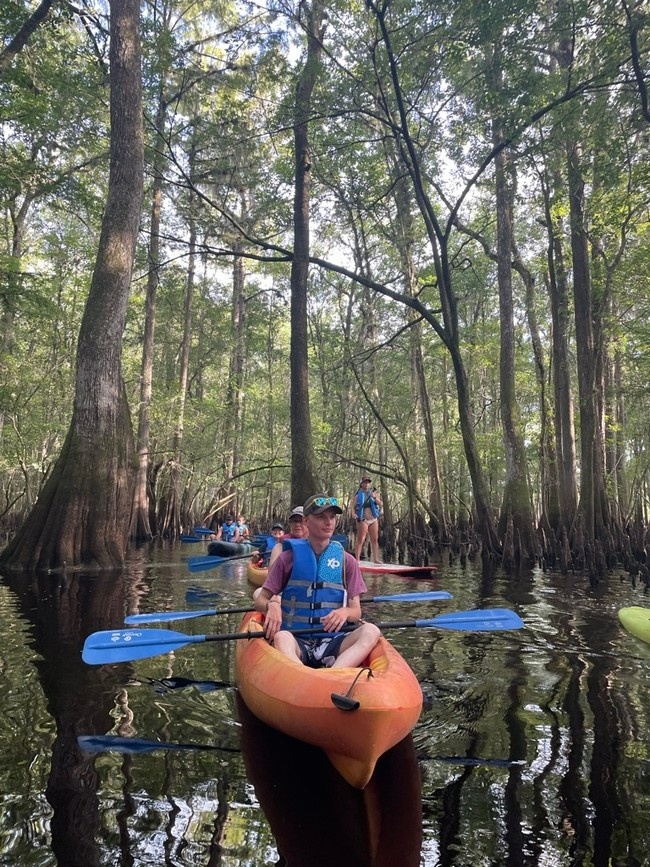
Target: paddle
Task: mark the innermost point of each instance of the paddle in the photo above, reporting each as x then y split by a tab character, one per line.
200	564
102	743
202	531
191	539
169	684
203	598
111	646
200	594
168	616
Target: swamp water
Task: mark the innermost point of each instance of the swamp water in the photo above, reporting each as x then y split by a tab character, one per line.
533	747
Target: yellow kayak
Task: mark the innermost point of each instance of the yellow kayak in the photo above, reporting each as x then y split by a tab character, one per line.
256	575
300	701
637	621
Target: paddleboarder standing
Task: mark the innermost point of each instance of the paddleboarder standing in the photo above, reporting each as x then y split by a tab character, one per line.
315	582
366	508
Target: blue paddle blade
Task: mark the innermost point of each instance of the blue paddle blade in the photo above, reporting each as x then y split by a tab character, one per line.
483	620
423	596
124	645
101	744
192	597
190	539
202	531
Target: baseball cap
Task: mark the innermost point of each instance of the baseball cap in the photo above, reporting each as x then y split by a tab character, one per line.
318	503
296	513
366	479
278	526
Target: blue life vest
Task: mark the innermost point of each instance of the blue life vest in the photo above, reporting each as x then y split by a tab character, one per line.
266	547
315	587
364	500
228	532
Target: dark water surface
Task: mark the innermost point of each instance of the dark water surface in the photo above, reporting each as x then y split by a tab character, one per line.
533	748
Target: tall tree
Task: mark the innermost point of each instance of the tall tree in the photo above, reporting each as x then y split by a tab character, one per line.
516	520
303	474
82	515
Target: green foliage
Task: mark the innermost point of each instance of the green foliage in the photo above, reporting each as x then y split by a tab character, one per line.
227	78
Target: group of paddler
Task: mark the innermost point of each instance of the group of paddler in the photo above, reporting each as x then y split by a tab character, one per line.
315	648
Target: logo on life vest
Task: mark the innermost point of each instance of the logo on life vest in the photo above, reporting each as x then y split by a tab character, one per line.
333	563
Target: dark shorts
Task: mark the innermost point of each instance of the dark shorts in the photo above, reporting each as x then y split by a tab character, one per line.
315	651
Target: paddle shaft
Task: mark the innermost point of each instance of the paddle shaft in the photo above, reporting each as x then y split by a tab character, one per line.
210	561
114	646
169	616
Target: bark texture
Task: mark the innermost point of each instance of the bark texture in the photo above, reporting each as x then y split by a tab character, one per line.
82	515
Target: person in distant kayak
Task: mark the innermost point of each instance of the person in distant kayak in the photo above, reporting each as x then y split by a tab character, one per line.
244	532
261	557
229	531
297	530
366	507
314	582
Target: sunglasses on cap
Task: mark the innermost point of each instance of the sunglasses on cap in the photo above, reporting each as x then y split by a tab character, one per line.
319	504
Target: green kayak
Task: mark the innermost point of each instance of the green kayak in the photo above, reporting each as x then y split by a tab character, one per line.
636	620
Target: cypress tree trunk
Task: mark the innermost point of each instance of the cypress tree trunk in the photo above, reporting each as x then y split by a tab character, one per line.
584	350
516	504
82	515
303	473
141	528
565	444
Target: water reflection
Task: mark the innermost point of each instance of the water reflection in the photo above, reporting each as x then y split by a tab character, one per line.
533	748
319	820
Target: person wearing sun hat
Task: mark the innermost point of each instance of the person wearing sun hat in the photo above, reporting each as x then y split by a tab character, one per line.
315	582
366	507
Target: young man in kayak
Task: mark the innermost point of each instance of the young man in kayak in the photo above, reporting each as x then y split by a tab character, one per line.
312	582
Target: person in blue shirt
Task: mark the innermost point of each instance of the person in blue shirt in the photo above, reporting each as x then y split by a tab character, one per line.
261	557
229	531
366	507
244	532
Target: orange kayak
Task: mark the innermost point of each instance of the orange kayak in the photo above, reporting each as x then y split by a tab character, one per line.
297	700
256	575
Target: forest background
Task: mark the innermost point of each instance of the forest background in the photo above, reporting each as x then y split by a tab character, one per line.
399	239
